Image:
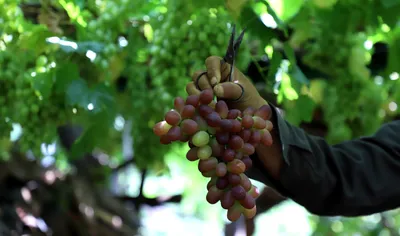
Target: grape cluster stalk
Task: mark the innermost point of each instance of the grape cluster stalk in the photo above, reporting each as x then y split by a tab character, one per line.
222	141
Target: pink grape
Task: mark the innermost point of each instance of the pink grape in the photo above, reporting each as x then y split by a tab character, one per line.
189	126
179	103
161	128
188	111
206	96
193	100
222	109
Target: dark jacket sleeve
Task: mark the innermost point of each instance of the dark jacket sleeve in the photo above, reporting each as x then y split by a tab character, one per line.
353	178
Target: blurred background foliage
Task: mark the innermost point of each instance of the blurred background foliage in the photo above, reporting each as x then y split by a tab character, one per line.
83	82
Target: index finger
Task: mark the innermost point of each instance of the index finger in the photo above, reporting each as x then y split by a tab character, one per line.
213	65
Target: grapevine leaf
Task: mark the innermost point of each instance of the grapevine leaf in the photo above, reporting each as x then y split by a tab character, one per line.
295	71
77	93
35	40
290	8
390	3
279	22
274	65
300	110
389	14
43	83
102	98
255	26
65	74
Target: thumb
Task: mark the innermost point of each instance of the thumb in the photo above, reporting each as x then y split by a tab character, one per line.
229	90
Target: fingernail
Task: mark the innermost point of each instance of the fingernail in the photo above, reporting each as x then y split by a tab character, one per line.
218	90
214	81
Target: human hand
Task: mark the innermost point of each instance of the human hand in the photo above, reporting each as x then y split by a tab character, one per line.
240	93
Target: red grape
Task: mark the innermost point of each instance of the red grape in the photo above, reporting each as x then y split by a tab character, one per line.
248	202
266	138
238	192
222	137
201	123
249	111
247	122
236	142
161	128
245	134
234	179
213	119
264	112
227	200
245	182
269	125
248	149
259	123
236	166
247	162
221	169
228	155
217	149
226	125
214	195
222	183
255	137
204	110
206	96
189	126
233	114
174	134
222	109
211	183
207	165
236	126
179	103
188	111
184	138
193	100
191	155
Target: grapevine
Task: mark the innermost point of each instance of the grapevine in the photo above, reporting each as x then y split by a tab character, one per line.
221	140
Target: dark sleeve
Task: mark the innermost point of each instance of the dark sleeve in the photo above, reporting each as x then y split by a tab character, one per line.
357	177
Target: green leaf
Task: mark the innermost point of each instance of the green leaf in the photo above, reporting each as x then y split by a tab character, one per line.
65	74
70	46
102	99
294	71
290	8
390	3
35	39
43	83
77	93
279	22
255	26
300	110
274	65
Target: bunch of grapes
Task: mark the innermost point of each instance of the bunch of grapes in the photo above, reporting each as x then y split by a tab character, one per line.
222	140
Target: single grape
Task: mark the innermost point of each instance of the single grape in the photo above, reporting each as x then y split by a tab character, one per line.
234	179
213	119
250	213
206	96
201	123
221	169
249	111
254	192
259	123
266	138
189	126
264	112
245	182
161	128
201	138
238	192
247	122
234	213
213	195
212	130
188	111
172	117
212	182
247	162
217	149
248	202
255	137
222	108
228	155
233	114
222	137
174	134
179	103
193	100
269	125
191	155
235	142
236	126
236	166
222	183
204	152
205	110
184	138
207	165
248	149
209	173
245	134
164	139
227	200
226	125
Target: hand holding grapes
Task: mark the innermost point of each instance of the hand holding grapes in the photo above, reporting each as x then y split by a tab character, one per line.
239	93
